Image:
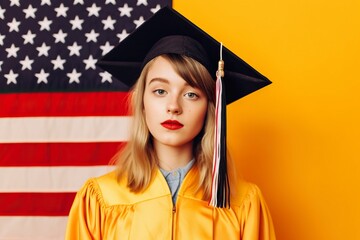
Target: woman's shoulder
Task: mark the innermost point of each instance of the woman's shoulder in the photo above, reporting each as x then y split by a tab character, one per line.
114	190
245	192
111	189
95	188
252	211
108	180
106	190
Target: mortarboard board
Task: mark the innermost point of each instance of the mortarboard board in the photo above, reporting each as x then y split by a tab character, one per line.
168	31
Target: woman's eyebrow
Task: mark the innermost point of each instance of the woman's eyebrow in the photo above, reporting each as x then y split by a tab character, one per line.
163	80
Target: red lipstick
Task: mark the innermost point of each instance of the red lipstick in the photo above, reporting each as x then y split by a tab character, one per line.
172	124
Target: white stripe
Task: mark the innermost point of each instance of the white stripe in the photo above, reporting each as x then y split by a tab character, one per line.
64	129
47	179
32	228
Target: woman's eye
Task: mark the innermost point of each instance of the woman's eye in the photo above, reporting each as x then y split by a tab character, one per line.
159	91
191	95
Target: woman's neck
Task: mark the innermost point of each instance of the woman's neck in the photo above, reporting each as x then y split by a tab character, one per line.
171	158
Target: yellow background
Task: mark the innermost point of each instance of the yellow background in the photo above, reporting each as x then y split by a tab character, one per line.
299	138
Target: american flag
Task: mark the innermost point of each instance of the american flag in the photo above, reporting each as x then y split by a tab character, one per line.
61	117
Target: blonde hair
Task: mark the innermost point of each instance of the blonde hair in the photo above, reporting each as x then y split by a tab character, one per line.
137	160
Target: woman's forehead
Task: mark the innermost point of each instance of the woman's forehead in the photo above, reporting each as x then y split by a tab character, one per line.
166	71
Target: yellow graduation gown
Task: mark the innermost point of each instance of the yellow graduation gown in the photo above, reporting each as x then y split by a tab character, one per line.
105	209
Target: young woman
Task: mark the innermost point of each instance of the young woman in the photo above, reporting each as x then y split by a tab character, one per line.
164	179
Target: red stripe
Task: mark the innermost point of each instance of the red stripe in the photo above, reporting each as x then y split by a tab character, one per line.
35	204
57	154
64	104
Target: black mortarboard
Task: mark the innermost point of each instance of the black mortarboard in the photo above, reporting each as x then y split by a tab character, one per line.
168	31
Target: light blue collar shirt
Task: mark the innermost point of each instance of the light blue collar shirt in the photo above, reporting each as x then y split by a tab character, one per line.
174	178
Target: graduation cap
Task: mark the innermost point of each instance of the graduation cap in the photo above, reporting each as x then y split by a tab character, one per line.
168	32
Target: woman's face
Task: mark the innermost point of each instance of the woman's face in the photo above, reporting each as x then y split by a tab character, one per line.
174	111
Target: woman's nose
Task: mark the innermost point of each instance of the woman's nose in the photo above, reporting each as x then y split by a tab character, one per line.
174	107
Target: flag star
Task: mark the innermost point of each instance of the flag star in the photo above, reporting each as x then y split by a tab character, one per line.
45	24
143	2
14	2
11	77
139	21
110	1
61	10
43	2
79	1
29	37
106	48
26	63
155	9
30	11
125	10
90	62
93	10
43	50
60	36
42	76
105	77
76	23
14	25
2	11
122	35
74	76
74	49
12	51
2	37
1	62
91	36
109	23
58	63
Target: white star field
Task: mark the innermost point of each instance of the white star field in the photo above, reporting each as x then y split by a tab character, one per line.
57	43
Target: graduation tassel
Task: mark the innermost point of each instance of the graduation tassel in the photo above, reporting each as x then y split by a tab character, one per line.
220	191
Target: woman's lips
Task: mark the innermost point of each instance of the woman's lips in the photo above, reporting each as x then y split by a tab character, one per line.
172	124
